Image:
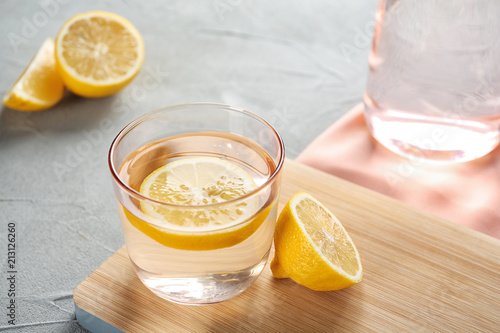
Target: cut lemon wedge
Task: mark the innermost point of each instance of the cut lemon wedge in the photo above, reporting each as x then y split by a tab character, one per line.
98	53
209	182
313	248
39	87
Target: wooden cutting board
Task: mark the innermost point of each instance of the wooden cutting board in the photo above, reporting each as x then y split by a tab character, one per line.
421	273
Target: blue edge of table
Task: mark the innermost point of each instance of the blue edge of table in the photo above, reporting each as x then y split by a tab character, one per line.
92	323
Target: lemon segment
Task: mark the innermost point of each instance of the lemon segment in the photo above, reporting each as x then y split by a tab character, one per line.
39	87
209	182
313	248
98	53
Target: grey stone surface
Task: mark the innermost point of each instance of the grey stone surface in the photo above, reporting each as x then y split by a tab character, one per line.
299	64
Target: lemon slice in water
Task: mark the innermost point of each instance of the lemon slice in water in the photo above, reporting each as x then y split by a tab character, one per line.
211	183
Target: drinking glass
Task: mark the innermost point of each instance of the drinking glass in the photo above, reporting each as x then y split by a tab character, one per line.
433	90
197	266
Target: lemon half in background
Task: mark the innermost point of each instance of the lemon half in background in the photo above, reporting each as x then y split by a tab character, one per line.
98	53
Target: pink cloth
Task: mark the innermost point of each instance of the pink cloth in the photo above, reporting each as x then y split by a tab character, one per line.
466	193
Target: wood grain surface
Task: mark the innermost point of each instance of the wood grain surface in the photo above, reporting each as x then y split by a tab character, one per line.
421	274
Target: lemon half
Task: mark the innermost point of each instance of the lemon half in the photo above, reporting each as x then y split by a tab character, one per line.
313	248
98	53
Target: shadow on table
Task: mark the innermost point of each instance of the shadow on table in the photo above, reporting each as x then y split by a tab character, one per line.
73	113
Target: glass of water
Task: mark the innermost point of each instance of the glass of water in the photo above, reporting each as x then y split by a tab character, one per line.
197	192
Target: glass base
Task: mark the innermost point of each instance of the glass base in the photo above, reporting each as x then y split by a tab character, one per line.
201	289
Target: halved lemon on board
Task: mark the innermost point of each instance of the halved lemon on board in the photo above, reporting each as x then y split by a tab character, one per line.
39	87
98	53
211	183
313	248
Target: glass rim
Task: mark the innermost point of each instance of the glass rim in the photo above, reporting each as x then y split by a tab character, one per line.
144	117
